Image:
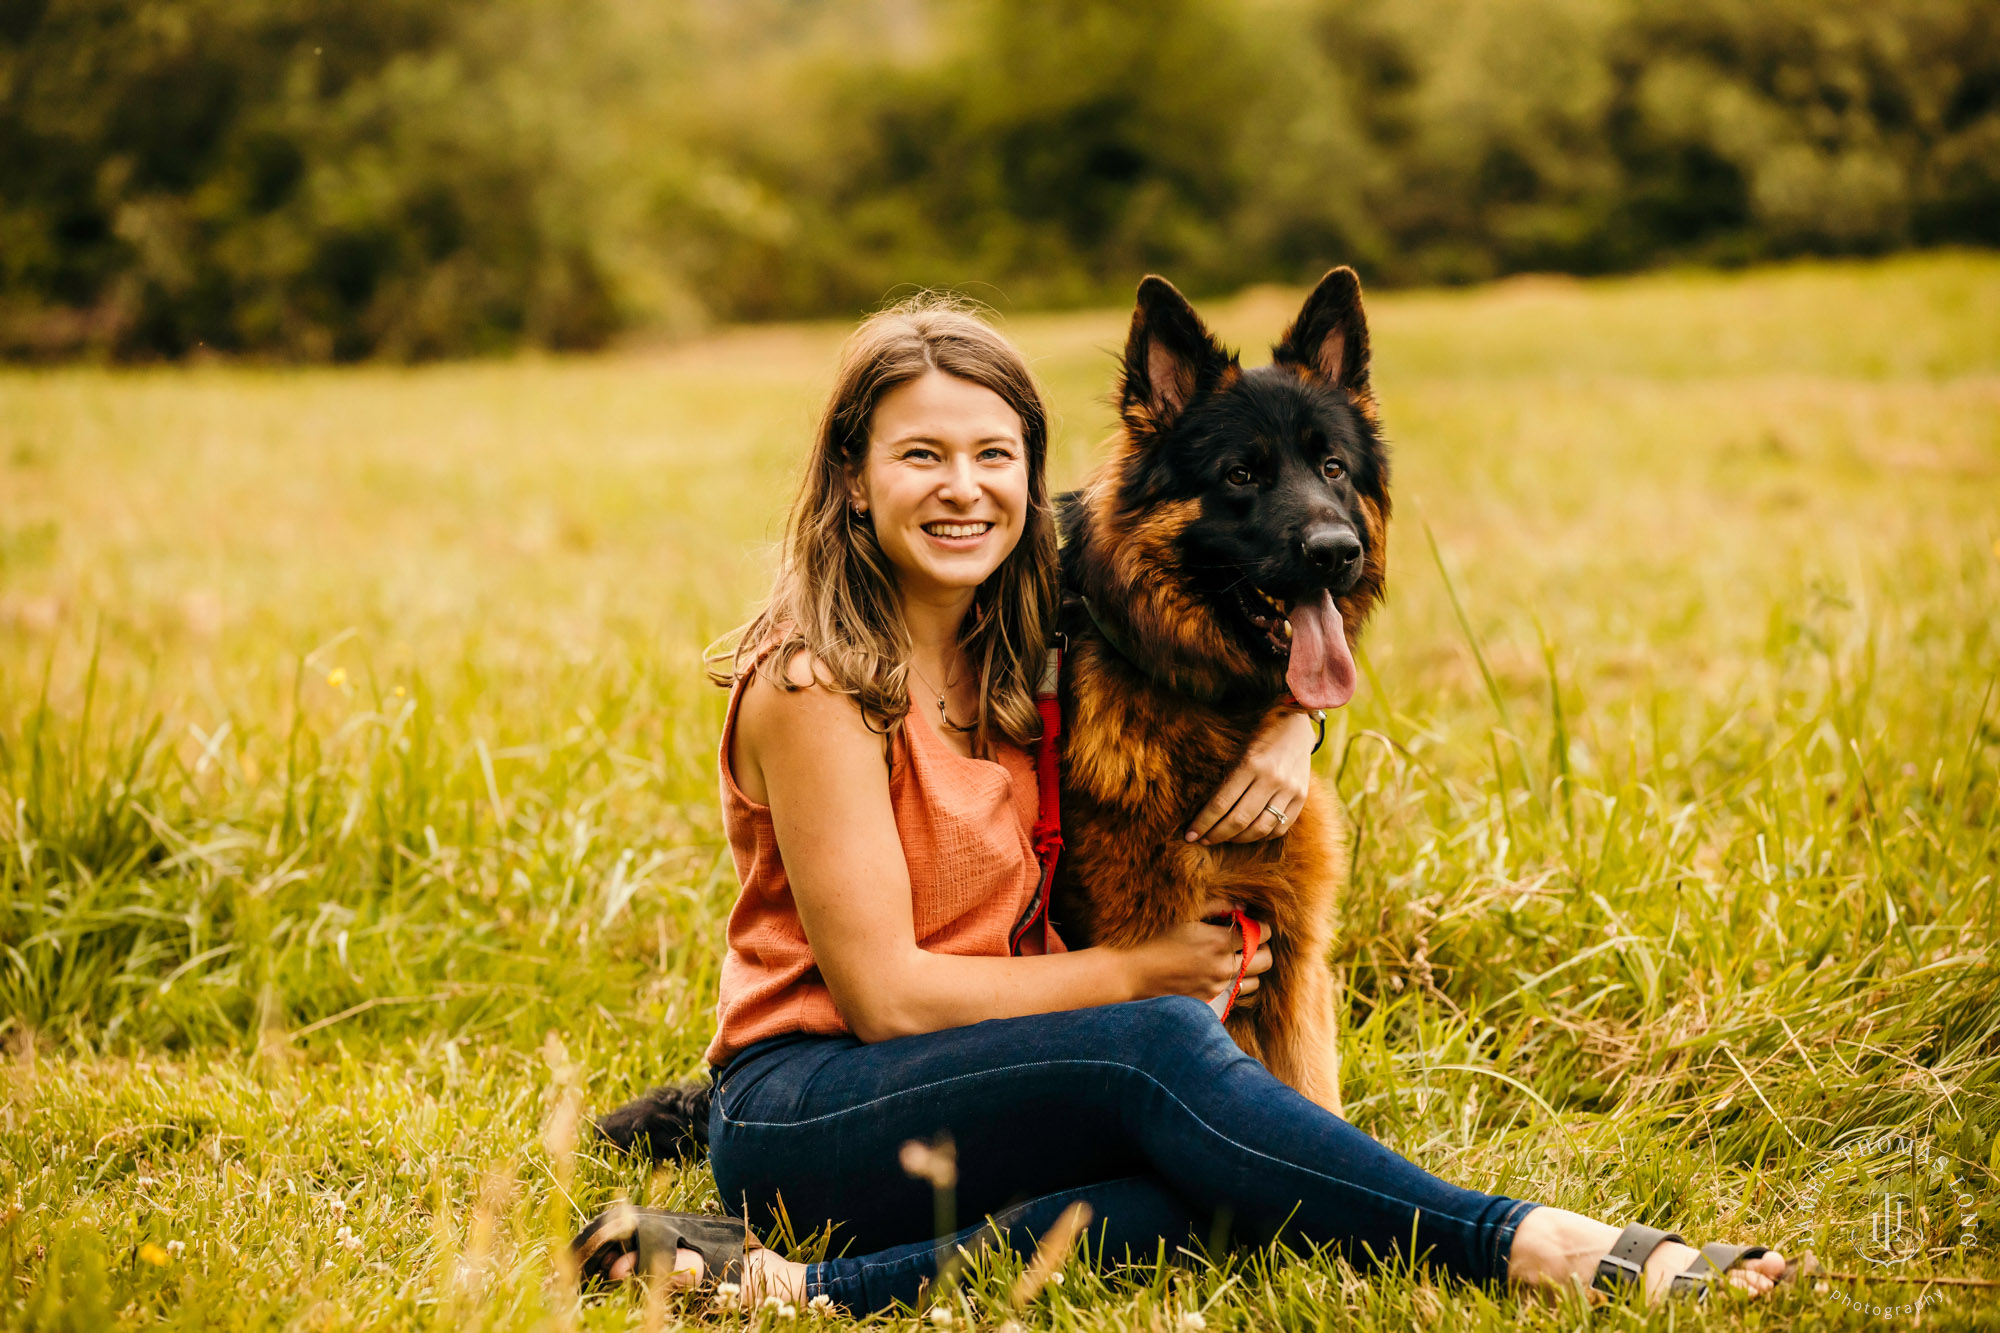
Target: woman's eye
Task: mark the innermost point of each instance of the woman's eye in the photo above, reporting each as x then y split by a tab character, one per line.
999	455
1238	476
1334	468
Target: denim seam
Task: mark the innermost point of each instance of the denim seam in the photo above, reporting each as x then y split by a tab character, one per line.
1103	1064
1503	1236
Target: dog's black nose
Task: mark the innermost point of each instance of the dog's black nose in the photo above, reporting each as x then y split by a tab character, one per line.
1333	550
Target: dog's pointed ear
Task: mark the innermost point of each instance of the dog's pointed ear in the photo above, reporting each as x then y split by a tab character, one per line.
1171	359
1330	336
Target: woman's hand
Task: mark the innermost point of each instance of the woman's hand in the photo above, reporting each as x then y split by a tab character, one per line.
1272	780
1196	958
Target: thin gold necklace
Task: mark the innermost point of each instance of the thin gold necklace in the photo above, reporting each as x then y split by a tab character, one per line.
944	718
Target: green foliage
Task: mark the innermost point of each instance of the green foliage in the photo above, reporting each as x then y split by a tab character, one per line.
409	179
323	180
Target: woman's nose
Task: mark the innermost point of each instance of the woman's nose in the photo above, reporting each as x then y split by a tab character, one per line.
961	481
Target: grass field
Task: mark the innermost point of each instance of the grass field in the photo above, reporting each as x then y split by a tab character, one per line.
358	798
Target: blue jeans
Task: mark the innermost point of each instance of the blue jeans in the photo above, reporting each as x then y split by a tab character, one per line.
1147	1111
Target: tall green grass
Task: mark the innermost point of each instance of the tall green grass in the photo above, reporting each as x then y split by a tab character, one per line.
353	743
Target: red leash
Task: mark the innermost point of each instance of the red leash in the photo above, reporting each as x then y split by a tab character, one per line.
1250	937
1047	833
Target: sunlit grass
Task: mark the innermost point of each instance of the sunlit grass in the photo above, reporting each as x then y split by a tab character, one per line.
352	742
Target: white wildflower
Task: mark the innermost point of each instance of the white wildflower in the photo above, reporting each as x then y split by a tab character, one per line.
820	1304
1192	1322
727	1292
1056	1277
788	1311
941	1316
772	1302
176	1248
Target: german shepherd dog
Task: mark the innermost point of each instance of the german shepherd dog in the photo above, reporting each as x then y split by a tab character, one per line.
1216	570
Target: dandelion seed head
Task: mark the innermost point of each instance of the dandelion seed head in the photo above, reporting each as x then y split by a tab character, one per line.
934	1162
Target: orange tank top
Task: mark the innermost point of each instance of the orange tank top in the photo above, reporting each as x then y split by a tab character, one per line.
964	825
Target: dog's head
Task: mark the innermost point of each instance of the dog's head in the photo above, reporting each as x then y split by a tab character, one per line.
1241	527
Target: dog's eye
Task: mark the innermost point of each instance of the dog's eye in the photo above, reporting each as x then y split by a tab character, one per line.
1238	476
1334	469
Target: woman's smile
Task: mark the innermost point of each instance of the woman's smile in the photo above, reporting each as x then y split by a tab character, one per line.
958	536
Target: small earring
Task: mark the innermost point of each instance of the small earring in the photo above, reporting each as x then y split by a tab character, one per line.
860	510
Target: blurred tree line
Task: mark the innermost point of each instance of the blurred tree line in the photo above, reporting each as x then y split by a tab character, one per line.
334	179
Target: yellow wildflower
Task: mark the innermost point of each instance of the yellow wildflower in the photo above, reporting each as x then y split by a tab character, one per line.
153	1254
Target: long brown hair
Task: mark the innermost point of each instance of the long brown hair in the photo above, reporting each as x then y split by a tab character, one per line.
835	595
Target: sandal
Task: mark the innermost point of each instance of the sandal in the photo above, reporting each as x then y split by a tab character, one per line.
655	1235
1624	1269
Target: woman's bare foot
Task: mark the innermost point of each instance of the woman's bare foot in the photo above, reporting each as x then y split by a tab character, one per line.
764	1274
1556	1248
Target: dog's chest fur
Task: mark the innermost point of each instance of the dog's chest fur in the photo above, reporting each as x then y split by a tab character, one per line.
1138	763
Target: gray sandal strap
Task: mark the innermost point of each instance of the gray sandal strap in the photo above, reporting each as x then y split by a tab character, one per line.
1625	1267
1715	1259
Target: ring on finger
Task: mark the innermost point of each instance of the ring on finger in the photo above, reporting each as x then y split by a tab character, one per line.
1274	810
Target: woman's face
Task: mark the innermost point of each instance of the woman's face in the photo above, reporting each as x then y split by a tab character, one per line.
945	483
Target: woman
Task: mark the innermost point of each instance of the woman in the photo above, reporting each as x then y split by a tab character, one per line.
877	793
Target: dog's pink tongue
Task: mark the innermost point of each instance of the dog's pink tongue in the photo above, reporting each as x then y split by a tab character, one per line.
1321	674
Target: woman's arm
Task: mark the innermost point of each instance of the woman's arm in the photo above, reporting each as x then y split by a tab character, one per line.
809	756
1276	772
